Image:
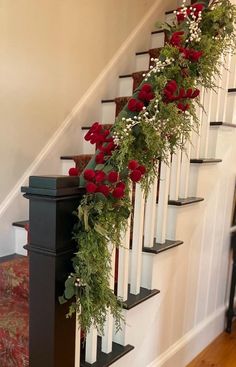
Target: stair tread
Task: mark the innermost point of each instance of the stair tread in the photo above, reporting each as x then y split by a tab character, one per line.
231	90
75	156
205	160
158	31
134	300
185	201
21	223
221	123
103	359
161	247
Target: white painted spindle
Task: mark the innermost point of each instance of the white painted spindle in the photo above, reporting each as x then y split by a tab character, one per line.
184	171
77	343
196	135
175	175
137	241
91	346
108	328
150	216
162	207
123	269
206	124
226	78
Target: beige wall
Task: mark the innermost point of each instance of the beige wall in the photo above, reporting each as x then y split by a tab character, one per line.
50	52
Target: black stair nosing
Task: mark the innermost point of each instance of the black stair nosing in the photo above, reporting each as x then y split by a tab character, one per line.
169	12
205	160
135	300
21	223
10	257
103	359
68	157
161	247
221	123
142	53
125	76
108	100
185	201
158	31
232	90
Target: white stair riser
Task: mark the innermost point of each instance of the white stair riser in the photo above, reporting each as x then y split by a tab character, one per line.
108	112
157	40
142	62
87	147
231	110
125	87
170	18
66	164
21	239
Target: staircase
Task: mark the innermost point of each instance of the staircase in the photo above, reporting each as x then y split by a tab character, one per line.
166	262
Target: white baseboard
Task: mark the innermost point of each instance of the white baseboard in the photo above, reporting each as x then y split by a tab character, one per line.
192	343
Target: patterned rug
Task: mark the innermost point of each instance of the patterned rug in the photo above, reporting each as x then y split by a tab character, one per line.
14	312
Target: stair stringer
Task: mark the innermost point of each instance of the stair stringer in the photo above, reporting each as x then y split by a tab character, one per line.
68	137
171	329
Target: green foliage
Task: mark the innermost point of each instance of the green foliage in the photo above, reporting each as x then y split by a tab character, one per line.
101	220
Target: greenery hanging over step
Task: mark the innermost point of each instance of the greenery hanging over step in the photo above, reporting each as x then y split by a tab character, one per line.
156	121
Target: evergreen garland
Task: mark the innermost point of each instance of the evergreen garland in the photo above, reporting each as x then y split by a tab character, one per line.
156	121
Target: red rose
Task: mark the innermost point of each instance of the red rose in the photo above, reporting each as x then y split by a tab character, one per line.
96	127
91	187
100	176
181	93
183	107
118	193
132	165
135	175
104	189
99	158
197	8
121	185
89	174
171	86
177	38
196	93
142	169
113	176
73	171
189	93
132	105
147	88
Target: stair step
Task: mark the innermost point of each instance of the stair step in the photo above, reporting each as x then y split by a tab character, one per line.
186	201
224	124
205	160
160	247
103	359
21	224
134	300
120	103
232	90
80	160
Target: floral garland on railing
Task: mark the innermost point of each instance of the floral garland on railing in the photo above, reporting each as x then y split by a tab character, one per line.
156	121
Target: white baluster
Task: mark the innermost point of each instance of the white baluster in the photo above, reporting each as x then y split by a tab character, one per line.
175	175
185	169
206	119
91	346
226	79
108	328
77	343
216	98
162	207
137	242
150	216
196	135
123	270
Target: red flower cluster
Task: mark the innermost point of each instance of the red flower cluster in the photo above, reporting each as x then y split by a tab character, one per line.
145	95
191	54
177	38
173	93
197	8
137	171
98	181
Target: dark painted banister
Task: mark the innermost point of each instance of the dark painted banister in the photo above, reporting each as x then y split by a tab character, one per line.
52	199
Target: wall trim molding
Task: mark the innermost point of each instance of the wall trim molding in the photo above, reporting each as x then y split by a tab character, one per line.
112	64
211	327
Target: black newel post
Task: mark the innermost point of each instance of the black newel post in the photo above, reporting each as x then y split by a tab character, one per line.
52	200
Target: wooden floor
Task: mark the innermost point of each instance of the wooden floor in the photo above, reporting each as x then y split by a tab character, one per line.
221	353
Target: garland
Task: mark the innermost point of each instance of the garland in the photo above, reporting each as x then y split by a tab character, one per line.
156	121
